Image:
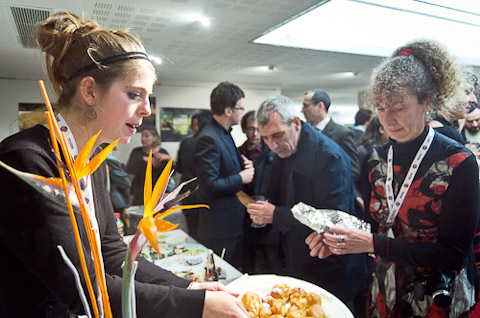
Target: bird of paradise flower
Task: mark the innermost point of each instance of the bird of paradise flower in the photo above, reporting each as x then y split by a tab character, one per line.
55	189
156	208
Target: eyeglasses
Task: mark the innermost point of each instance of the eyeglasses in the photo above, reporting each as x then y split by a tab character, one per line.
251	130
239	108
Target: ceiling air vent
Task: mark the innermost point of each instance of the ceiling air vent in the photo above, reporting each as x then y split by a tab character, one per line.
25	20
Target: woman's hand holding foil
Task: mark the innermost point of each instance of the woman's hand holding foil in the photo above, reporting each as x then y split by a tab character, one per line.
339	241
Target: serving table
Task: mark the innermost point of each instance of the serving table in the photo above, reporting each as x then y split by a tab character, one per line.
184	256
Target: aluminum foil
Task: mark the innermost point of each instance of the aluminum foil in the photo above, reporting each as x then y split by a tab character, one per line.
320	220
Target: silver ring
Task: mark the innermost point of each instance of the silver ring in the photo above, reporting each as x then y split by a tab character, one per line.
342	239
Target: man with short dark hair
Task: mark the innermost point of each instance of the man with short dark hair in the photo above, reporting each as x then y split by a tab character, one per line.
362	118
472	126
222	172
315	108
312	169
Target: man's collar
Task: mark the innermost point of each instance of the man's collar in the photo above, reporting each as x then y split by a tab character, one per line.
227	131
321	125
359	127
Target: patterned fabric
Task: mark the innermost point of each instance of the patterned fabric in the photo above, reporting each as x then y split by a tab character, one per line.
253	154
393	284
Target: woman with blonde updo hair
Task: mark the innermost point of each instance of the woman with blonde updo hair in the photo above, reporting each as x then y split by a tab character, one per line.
103	79
423	221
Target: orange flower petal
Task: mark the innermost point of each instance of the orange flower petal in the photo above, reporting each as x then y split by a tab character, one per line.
147	189
96	161
82	157
165	226
159	188
180	207
149	229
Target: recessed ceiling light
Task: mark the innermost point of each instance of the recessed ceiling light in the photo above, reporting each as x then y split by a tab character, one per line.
377	27
205	21
155	59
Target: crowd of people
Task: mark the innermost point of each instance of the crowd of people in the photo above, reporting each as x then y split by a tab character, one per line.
405	167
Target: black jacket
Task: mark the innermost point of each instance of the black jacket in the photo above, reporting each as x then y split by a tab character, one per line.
218	165
320	176
345	138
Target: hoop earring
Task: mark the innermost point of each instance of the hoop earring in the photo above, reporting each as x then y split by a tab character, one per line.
90	114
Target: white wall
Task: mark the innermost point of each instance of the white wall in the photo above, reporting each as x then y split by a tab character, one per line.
191	95
14	92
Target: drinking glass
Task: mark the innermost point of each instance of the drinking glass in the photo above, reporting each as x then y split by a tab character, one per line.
258	225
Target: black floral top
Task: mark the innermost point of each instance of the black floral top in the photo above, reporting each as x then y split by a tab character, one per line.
434	228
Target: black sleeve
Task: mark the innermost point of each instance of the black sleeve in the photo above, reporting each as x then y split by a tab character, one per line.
135	163
179	163
458	223
349	146
366	192
118	176
208	160
332	186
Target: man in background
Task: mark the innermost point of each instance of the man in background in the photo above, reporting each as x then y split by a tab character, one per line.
186	166
472	126
262	239
315	108
362	118
312	169
222	172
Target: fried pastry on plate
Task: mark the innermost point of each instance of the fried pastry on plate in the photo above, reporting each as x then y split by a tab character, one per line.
251	301
295	312
265	310
285	288
316	311
297	300
313	298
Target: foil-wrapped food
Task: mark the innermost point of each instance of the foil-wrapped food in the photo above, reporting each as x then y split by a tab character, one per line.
320	220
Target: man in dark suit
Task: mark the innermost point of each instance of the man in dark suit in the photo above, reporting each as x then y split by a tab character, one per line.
222	172
315	108
313	169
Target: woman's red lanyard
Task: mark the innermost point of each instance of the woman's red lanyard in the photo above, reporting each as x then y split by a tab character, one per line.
394	206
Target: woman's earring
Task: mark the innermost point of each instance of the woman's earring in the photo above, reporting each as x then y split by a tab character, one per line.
90	114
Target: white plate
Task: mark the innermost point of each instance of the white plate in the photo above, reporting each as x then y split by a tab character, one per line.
263	284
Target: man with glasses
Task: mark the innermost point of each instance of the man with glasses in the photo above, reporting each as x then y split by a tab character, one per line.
222	172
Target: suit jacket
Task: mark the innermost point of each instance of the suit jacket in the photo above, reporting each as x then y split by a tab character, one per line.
357	133
218	165
345	138
319	175
186	166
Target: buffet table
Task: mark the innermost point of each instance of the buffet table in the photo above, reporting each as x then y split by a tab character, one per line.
184	256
